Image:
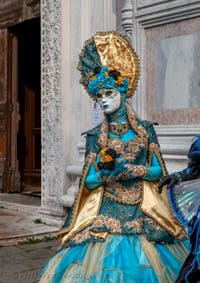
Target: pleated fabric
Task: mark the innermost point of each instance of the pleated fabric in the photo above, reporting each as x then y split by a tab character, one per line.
119	259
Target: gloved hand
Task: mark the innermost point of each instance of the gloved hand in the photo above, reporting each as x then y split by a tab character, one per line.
106	159
119	169
169	180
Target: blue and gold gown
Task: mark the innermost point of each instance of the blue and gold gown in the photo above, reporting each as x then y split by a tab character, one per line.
111	234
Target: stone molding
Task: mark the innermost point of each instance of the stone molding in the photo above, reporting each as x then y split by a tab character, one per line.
178	130
176	139
150	13
175	142
165	4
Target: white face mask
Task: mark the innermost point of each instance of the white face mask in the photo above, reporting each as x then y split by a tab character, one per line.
109	99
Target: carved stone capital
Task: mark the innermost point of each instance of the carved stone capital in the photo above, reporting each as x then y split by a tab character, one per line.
127	17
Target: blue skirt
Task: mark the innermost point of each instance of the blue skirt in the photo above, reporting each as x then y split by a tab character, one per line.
119	259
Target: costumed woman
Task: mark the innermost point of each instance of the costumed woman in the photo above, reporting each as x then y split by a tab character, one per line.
185	200
119	228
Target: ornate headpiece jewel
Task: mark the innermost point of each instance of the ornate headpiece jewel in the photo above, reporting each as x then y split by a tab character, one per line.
107	79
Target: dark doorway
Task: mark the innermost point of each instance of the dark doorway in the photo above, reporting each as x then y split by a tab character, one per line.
29	113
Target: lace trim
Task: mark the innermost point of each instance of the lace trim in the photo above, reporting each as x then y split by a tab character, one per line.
121	200
138	170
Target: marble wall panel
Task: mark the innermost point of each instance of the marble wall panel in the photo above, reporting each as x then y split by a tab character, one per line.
172	73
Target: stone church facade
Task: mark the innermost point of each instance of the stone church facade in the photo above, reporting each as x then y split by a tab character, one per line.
164	33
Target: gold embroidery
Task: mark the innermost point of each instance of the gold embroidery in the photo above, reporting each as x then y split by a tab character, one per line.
139	129
135	224
138	170
121	200
128	151
102	140
82	236
119	129
119	193
111	223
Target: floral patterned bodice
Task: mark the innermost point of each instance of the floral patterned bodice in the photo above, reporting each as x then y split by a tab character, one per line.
133	152
130	151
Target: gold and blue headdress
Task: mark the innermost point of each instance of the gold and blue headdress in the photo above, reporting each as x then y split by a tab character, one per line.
108	60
